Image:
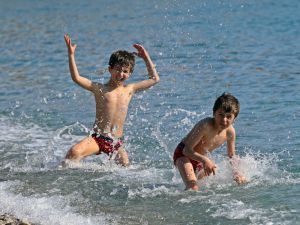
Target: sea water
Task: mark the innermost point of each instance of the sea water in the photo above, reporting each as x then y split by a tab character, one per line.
201	49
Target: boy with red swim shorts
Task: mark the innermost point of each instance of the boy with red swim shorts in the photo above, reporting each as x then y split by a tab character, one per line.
190	156
112	100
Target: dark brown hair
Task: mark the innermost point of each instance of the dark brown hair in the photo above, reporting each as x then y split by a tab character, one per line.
122	58
228	103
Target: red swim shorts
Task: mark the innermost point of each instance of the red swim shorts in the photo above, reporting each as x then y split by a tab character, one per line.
107	144
179	153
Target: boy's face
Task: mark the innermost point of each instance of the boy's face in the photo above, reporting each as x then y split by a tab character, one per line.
120	73
222	119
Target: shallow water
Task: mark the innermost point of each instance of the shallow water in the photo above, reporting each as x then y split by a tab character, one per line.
201	49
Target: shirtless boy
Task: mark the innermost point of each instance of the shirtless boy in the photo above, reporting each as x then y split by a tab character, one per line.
112	100
190	156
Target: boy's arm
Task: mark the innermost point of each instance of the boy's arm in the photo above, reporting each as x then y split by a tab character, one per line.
193	138
153	75
237	176
82	81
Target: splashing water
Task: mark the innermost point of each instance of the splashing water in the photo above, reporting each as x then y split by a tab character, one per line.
247	49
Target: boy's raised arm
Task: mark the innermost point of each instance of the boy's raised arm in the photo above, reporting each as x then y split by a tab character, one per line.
153	75
82	81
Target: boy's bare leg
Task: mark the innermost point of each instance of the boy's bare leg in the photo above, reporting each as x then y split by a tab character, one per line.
122	157
85	147
187	173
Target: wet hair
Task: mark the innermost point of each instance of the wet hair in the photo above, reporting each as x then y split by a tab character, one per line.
122	58
228	103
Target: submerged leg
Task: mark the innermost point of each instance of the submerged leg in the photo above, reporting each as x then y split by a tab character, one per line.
187	173
122	157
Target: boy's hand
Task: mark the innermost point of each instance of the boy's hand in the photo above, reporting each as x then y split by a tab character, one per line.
240	179
71	48
141	51
209	167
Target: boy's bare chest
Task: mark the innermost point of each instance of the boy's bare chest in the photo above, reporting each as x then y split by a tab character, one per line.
115	97
211	141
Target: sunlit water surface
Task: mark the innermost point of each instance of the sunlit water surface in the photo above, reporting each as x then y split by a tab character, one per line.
201	49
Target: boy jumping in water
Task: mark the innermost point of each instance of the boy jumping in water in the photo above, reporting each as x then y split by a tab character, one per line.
112	100
190	156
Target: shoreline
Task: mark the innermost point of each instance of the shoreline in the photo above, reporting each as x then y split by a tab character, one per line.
8	219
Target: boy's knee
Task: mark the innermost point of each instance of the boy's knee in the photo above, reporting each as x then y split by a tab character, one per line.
74	153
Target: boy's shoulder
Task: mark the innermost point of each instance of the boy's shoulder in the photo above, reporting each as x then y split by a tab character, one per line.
97	84
230	130
205	124
207	121
97	87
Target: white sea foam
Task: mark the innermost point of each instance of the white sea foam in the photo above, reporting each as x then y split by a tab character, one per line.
109	166
258	169
42	148
49	146
145	192
54	210
236	209
227	206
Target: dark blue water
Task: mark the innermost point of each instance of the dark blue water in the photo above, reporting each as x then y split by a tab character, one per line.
201	49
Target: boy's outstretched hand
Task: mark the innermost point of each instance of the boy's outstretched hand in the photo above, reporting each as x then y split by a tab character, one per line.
142	52
240	179
209	167
71	48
